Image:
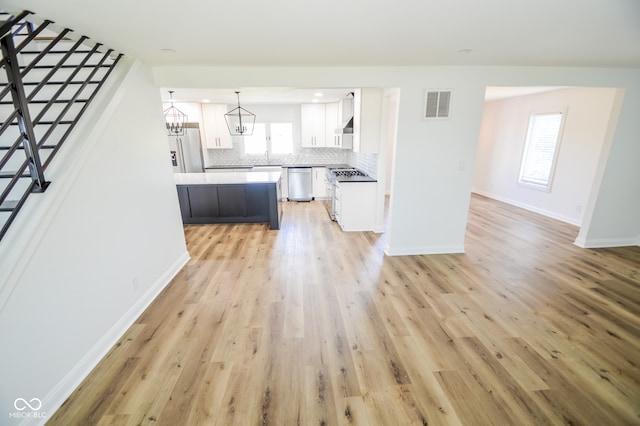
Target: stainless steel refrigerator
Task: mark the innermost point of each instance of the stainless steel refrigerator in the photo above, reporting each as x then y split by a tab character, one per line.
186	152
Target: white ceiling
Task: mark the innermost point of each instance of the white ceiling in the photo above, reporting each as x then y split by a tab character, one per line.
357	32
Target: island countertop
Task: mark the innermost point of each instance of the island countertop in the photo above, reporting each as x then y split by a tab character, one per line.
230	178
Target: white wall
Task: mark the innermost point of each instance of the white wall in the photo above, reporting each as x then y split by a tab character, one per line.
110	239
502	138
434	160
612	217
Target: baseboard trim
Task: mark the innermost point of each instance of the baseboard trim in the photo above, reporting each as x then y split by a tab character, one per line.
531	208
420	250
59	394
605	242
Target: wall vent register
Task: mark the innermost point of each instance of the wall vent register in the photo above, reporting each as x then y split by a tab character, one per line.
437	104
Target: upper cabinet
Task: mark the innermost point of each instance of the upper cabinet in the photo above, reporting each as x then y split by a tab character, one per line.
367	119
216	133
336	120
332	123
313	125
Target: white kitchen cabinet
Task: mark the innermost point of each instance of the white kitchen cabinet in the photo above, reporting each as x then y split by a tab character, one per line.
284	191
216	133
332	122
313	125
367	120
319	183
356	205
335	121
344	141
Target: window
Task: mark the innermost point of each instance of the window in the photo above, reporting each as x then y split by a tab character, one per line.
256	144
541	147
281	138
277	138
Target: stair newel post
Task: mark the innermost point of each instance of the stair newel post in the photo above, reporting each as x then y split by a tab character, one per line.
20	103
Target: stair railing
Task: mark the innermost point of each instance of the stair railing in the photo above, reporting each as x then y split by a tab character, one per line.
76	75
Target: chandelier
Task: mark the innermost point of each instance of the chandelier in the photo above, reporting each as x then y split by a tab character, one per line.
240	121
175	120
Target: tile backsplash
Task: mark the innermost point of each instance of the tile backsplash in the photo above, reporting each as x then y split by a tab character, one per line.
235	157
368	163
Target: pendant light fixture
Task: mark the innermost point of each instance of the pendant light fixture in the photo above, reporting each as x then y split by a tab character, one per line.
176	120
240	121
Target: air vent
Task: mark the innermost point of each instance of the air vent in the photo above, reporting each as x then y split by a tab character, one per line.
437	104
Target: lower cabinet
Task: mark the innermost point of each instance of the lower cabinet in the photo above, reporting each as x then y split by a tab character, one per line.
232	203
203	202
232	200
355	205
319	183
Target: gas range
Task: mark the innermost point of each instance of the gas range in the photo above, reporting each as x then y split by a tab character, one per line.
349	172
339	175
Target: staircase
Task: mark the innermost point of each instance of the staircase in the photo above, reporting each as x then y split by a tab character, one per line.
48	79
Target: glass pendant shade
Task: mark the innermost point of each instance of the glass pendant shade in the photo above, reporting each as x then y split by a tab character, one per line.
240	122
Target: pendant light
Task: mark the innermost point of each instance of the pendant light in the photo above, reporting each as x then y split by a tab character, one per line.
175	120
240	121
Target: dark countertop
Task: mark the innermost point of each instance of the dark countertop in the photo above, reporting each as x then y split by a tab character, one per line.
228	167
343	179
285	166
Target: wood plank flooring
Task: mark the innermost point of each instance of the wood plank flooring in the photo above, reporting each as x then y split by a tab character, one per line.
312	326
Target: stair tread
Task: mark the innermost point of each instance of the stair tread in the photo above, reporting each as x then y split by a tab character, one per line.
8	205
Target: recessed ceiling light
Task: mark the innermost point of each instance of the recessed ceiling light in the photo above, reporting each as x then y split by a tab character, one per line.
206	101
317	94
464	51
314	100
167	50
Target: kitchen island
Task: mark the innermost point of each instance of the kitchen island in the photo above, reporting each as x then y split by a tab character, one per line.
240	197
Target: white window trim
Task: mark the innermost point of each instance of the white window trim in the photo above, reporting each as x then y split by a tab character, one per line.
552	171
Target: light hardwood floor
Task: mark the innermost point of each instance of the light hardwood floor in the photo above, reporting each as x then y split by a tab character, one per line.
312	326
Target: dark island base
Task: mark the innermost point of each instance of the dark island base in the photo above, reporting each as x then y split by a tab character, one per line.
231	203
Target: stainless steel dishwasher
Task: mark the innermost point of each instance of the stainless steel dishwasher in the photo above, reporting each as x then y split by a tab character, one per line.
300	184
